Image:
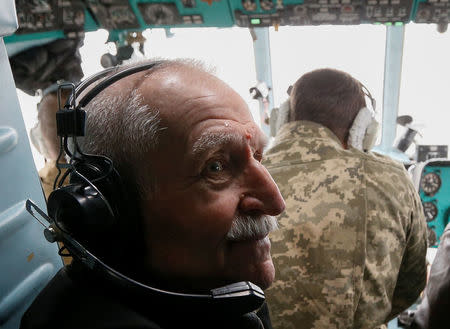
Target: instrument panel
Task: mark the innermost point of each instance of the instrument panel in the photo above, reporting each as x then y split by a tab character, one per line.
434	190
319	12
38	16
49	15
433	11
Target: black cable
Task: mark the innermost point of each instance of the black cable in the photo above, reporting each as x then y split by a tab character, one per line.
63	178
100	194
57	162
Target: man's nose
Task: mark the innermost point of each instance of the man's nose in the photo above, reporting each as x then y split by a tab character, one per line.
261	194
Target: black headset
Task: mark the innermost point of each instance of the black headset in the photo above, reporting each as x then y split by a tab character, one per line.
89	207
367	93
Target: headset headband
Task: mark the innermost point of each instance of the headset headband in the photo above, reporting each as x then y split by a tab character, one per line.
104	84
369	95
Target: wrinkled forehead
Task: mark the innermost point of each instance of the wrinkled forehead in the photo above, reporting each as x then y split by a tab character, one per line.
198	110
180	83
191	96
219	119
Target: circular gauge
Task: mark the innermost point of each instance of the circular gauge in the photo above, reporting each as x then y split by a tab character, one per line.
430	183
266	4
430	210
160	14
249	5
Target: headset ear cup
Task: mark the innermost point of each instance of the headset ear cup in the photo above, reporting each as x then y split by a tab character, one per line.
283	115
358	131
273	121
87	208
371	135
360	136
79	211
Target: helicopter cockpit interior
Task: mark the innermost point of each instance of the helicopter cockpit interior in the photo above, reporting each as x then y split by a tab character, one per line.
24	24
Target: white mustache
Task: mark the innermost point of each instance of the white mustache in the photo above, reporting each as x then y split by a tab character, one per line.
251	227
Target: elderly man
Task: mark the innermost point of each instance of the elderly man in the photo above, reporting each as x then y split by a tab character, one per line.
350	251
186	143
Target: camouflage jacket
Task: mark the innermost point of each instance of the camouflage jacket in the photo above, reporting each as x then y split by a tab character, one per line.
350	251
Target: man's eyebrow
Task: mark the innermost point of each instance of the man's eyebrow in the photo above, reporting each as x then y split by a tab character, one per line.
214	140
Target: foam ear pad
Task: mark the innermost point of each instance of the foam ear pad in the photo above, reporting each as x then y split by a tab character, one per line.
364	130
279	116
371	135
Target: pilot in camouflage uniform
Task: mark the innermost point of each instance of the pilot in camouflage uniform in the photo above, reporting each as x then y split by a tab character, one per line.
350	251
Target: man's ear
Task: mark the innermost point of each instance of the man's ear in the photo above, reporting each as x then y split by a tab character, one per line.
364	130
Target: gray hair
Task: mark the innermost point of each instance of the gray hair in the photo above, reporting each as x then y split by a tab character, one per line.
126	130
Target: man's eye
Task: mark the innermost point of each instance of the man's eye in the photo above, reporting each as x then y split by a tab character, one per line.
215	166
217	171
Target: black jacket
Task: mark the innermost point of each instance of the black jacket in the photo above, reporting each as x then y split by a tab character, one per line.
77	299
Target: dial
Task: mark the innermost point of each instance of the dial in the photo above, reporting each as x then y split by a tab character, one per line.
266	4
430	184
430	210
249	5
161	14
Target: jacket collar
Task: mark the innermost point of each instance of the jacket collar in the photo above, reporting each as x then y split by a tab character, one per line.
307	130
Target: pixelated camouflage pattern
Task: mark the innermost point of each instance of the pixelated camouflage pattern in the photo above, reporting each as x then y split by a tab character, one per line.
350	251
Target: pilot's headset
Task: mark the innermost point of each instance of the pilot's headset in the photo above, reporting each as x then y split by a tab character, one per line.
88	210
91	208
280	115
364	130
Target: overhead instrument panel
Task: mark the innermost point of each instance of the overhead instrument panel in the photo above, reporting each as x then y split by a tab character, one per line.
433	11
49	15
113	14
160	14
434	189
383	11
117	16
320	12
163	14
185	13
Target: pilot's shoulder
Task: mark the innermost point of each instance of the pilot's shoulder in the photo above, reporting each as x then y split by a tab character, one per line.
384	160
